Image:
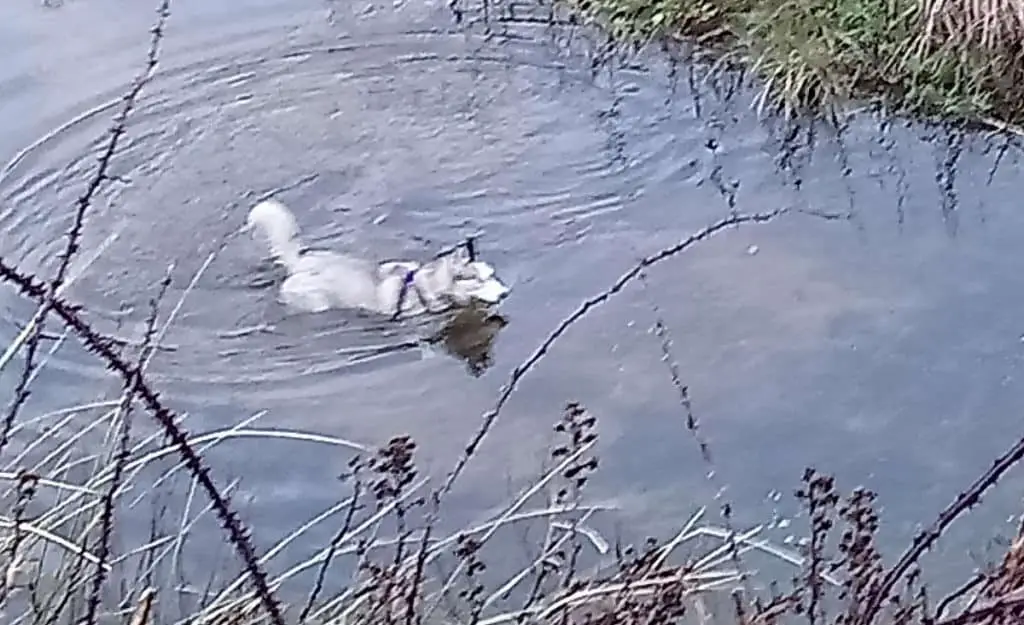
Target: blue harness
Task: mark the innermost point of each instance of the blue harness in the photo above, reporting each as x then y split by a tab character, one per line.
408	282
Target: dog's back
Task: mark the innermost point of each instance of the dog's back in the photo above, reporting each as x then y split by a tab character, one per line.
320	279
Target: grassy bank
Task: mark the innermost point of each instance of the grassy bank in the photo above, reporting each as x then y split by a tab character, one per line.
957	60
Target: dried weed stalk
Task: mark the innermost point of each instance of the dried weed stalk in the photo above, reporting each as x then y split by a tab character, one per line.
122	453
136	383
74	233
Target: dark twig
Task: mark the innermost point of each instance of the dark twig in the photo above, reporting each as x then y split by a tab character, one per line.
412	616
662	332
27	483
959	593
927	537
135	382
995	608
355	466
693	426
519	372
82	205
21	390
124	409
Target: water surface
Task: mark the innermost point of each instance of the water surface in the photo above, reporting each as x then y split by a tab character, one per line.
883	347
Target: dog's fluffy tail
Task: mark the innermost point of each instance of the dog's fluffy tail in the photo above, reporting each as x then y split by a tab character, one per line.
277	223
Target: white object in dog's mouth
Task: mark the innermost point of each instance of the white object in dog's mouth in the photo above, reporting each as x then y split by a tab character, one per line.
492	290
484	270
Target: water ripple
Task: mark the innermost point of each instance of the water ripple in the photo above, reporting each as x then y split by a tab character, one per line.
395	143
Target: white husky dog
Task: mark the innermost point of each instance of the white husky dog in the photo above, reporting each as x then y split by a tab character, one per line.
319	280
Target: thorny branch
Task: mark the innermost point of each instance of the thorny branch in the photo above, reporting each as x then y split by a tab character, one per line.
124	411
927	537
135	382
993	609
74	233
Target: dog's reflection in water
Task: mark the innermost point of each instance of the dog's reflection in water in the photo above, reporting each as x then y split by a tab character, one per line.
468	334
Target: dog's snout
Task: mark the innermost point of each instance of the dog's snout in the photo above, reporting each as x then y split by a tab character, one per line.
501	292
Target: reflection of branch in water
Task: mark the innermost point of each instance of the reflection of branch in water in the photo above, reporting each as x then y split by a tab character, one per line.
468	334
491	416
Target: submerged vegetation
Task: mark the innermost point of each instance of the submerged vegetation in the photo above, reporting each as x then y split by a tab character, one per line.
948	60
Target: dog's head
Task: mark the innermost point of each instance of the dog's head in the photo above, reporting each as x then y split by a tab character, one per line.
471	279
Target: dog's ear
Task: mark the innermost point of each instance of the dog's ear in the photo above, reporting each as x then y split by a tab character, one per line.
459	255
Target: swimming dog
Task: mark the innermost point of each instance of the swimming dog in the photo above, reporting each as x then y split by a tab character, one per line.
319	280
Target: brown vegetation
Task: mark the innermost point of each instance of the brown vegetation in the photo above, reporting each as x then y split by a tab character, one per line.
63	565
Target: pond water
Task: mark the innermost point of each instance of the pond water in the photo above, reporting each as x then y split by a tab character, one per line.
884	347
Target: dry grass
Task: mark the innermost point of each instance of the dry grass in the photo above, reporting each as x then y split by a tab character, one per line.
80	478
386	565
995	26
55	511
936	59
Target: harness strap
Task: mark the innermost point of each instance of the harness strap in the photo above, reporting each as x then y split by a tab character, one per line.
408	281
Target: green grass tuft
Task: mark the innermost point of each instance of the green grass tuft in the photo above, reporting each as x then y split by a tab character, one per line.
932	59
